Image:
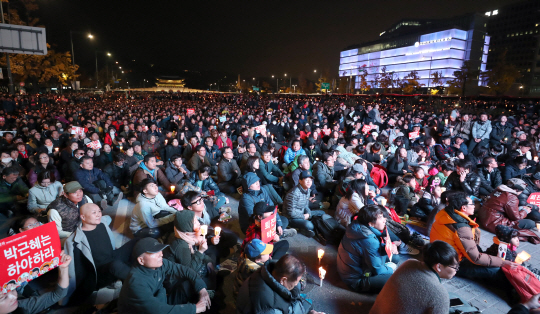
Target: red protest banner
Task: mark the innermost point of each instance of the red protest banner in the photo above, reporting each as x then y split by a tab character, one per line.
260	128
78	130
28	255
94	145
534	198
268	227
366	128
414	135
388	246
190	111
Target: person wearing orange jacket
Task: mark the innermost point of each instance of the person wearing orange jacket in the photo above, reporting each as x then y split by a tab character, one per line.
453	226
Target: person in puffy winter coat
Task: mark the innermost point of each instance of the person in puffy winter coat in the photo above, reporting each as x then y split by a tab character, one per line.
427	203
464	179
44	192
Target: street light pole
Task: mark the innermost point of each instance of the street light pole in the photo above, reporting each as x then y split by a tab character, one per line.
8	64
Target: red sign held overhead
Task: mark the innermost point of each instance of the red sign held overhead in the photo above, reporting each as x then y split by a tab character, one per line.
28	255
268	227
366	128
190	111
414	135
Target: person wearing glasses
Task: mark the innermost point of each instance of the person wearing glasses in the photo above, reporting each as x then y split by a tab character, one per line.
71	167
441	261
453	226
42	164
23	224
151	216
44	192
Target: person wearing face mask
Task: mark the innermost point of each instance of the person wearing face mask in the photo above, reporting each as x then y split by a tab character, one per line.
6	160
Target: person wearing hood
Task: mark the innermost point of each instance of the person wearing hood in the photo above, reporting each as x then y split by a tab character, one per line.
500	132
362	261
151	216
312	150
274	288
481	132
502	208
453	226
252	196
44	192
188	247
176	171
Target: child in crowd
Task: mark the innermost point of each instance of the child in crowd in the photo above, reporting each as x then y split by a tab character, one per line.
255	254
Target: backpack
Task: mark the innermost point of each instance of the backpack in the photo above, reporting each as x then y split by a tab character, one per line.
379	176
327	229
281	154
523	280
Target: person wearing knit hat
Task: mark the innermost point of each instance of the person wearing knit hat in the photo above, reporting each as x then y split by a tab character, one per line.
188	246
255	254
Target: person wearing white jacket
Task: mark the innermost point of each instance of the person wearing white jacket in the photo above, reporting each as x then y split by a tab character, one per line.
44	192
356	197
152	216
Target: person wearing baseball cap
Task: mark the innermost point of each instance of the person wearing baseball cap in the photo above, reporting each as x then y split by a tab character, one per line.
255	254
64	211
143	290
296	205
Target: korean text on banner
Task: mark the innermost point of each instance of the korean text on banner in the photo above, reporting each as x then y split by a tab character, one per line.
414	135
190	111
77	130
260	128
388	246
222	118
366	128
268	227
94	145
534	198
28	255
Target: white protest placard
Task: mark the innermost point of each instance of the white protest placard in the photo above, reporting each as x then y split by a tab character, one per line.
77	130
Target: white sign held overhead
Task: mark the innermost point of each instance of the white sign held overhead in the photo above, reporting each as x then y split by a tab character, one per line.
23	39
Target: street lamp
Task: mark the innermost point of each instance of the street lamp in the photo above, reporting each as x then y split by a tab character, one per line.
71	40
294	88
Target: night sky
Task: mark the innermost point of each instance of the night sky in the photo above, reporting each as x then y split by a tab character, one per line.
251	38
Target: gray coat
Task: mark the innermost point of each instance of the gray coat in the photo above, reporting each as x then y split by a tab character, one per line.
41	196
78	240
296	203
481	131
174	175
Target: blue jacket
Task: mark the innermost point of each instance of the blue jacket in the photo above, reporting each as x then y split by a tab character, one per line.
360	252
87	177
206	185
290	154
248	201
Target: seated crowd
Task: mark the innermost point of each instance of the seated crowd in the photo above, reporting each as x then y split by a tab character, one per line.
343	170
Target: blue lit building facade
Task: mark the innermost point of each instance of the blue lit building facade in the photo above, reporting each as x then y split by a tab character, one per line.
425	46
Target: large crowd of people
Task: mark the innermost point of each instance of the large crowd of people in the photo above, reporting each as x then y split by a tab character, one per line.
345	170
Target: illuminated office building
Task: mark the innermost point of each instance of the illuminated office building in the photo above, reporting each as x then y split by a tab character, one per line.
424	46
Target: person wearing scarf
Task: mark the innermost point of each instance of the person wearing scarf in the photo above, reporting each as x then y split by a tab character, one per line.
187	246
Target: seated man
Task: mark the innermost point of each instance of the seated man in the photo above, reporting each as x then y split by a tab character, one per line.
118	171
295	149
212	151
490	176
296	206
440	261
453	226
176	171
252	196
148	169
13	192
255	254
96	184
251	151
151	216
323	172
92	245
228	172
143	290
269	170
445	151
64	211
199	159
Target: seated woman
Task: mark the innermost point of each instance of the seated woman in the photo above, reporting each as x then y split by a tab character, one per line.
420	178
405	196
187	247
502	208
43	163
253	165
260	211
430	200
398	165
362	261
357	196
44	192
201	179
